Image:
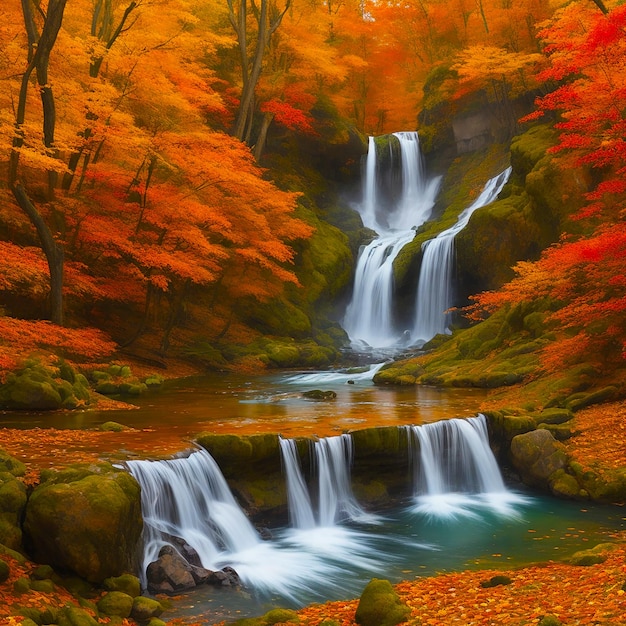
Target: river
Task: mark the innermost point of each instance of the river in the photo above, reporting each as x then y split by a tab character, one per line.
336	562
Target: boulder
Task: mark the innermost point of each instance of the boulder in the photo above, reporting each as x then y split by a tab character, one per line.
90	526
171	573
115	604
537	455
12	504
380	605
144	609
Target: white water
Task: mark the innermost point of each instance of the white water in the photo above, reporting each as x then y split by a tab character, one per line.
189	499
369	316
299	502
434	291
455	469
338	376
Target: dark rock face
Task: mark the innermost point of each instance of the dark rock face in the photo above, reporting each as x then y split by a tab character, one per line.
171	573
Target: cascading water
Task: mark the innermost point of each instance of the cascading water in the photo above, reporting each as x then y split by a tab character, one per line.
434	291
299	502
369	316
454	468
335	501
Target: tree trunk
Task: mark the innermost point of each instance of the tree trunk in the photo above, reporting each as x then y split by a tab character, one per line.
39	56
262	137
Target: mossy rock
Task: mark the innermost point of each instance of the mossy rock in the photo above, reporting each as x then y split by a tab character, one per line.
144	609
536	455
319	395
115	603
31	615
44	586
235	453
592	556
565	485
36	386
555	416
90	526
380	605
561	432
128	583
608	487
550	620
21	585
11	464
12	504
74	616
577	402
496	581
27	621
5	571
113	427
505	427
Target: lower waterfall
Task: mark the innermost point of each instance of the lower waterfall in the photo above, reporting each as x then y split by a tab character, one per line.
332	542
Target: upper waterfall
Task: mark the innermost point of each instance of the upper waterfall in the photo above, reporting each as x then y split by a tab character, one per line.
369	317
434	289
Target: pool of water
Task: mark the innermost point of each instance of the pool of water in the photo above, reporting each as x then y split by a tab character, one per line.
303	566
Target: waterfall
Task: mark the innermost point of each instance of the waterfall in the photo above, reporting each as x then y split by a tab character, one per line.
369	316
454	468
189	499
434	290
336	500
299	501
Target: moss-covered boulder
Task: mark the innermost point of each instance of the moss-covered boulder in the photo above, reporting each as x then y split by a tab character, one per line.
74	616
115	603
144	609
537	455
12	503
38	386
380	605
592	556
90	526
5	571
128	583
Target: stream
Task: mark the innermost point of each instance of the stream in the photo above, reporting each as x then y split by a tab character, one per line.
297	566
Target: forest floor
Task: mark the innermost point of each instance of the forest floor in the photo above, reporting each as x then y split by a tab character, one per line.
574	594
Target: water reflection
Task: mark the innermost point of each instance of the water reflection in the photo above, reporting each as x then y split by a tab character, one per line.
230	403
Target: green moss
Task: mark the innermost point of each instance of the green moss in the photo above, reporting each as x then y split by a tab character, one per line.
73	616
592	556
5	570
380	605
112	427
115	603
127	583
145	609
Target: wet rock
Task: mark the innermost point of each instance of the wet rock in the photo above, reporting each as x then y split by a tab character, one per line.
171	573
319	395
144	609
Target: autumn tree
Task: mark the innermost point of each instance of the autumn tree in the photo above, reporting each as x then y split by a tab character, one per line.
267	16
40	46
582	277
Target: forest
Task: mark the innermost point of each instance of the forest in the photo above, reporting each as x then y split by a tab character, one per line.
179	192
172	169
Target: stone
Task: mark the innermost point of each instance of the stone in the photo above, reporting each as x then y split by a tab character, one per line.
5	571
115	603
90	526
319	395
145	609
127	583
380	605
170	572
536	455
